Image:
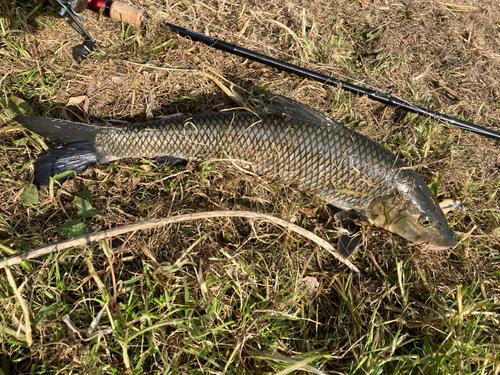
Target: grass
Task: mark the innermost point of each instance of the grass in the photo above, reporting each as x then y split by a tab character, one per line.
231	295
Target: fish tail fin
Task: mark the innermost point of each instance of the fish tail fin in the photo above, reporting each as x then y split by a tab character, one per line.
75	149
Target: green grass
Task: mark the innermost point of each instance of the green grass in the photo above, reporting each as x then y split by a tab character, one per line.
239	296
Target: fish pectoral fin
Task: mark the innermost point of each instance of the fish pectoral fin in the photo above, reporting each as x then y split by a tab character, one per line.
286	107
348	243
350	237
169	161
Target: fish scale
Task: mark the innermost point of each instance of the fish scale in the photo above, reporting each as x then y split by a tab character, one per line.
332	161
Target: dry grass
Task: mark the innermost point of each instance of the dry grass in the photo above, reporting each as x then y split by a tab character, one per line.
239	296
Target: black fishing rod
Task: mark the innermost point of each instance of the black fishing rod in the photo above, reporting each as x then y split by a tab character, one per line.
119	11
382	95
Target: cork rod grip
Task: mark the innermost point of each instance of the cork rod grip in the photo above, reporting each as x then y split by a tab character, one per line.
126	13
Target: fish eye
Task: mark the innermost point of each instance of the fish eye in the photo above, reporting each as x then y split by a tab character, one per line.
425	220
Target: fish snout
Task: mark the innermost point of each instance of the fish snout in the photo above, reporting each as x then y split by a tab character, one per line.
449	239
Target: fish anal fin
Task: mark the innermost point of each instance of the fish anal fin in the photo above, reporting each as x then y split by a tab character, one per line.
169	161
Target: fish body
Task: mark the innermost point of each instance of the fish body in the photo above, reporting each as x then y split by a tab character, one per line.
292	142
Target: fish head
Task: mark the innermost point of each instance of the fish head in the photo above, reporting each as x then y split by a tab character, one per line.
414	215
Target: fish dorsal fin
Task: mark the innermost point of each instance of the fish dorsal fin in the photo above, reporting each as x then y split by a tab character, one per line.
286	107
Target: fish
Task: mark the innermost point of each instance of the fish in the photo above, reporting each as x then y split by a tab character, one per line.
289	141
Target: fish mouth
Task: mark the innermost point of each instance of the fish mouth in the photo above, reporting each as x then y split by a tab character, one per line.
433	247
447	241
441	245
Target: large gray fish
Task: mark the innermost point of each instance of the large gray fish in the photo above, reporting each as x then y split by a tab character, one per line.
291	141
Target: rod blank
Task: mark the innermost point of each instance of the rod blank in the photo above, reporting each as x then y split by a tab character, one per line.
378	95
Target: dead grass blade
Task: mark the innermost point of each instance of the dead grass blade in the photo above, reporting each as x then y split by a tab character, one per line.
295	364
89	238
460	7
24	306
226	90
289	31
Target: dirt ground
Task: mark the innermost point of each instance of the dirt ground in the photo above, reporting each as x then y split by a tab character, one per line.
441	55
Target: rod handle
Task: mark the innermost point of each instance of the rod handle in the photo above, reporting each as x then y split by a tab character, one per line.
127	13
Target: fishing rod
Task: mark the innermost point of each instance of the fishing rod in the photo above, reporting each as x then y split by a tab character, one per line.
69	11
137	17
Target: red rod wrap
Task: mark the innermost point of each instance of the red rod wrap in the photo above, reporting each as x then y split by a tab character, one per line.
96	5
